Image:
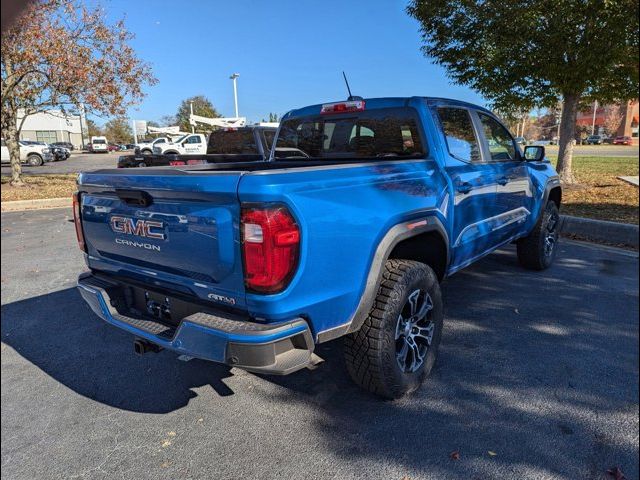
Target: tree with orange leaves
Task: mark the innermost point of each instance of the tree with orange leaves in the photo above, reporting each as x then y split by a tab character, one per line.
61	54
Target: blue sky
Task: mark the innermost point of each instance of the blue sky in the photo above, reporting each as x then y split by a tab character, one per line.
288	53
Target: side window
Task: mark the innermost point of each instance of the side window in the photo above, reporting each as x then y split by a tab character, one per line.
193	139
160	140
461	138
500	142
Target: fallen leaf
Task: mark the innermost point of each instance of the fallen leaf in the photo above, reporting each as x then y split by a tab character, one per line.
492	453
165	465
166	443
455	455
616	473
201	420
172	434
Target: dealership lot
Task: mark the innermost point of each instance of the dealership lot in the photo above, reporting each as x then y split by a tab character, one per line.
85	162
78	162
540	369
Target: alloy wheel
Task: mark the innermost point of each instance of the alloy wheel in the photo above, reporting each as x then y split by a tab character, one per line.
414	331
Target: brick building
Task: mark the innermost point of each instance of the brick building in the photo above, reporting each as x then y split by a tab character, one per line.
628	124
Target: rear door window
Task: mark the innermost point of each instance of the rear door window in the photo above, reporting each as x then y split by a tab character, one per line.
462	141
499	140
375	133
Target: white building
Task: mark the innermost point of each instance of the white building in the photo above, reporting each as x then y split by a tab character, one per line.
54	126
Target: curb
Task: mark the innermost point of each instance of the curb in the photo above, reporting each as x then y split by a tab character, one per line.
39	204
600	230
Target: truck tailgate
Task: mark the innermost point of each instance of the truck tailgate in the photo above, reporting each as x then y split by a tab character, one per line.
168	230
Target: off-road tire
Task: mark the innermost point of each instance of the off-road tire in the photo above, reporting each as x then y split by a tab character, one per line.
370	353
532	253
34	160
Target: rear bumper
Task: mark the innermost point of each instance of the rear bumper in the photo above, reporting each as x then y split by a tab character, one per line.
267	348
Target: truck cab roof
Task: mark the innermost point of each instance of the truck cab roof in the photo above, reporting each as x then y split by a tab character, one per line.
387	102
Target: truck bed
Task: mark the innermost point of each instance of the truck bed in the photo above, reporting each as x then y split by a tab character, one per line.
219	164
152	160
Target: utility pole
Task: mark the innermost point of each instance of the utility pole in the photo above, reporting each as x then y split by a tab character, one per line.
593	123
234	77
193	129
559	120
81	108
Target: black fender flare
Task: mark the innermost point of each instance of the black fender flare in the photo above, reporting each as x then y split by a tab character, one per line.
394	235
552	182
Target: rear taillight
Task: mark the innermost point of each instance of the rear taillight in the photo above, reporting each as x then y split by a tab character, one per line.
77	221
270	247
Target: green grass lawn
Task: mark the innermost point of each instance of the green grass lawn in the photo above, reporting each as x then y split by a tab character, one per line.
600	194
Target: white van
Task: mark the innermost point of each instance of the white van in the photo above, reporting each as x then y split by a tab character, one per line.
99	144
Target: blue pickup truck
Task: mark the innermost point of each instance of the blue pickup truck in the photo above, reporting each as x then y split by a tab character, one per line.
347	230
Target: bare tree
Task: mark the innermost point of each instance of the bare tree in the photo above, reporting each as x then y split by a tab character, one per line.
61	53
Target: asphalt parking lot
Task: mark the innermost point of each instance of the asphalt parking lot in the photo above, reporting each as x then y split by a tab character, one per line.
76	163
540	369
85	162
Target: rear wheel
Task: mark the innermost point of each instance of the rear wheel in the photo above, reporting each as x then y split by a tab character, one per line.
538	250
396	347
34	160
146	152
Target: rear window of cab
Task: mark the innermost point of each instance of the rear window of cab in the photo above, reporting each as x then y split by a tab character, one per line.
382	133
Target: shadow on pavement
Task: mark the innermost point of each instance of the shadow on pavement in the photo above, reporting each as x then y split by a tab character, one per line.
532	356
60	334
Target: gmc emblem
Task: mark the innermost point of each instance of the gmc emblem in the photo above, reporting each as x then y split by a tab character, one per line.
140	227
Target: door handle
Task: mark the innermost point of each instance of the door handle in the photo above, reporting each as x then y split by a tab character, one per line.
464	187
503	180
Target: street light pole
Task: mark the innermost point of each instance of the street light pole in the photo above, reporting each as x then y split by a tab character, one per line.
234	77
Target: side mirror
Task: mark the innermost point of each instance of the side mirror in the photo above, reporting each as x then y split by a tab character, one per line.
534	153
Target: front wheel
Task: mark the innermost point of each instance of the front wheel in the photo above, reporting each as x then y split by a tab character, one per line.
538	250
34	160
396	347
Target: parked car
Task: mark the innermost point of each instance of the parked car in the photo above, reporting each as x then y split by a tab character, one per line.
33	154
521	141
113	147
346	231
67	145
59	153
246	144
595	140
99	145
623	140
